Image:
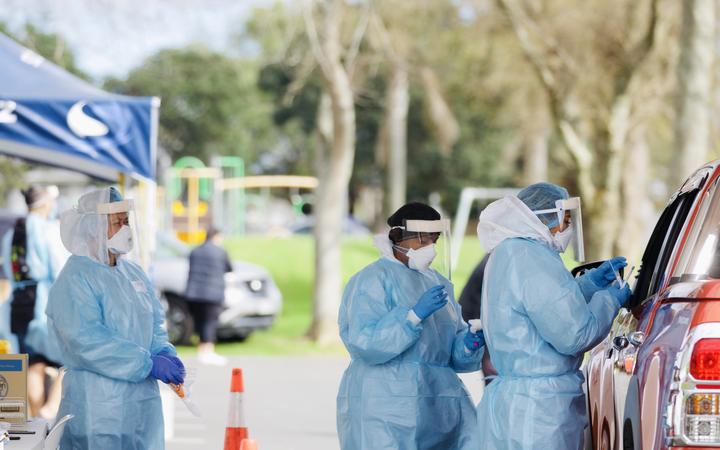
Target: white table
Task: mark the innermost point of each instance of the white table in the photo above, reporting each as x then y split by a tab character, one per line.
29	441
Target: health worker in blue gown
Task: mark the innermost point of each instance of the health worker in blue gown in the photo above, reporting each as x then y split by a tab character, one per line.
407	340
108	323
539	320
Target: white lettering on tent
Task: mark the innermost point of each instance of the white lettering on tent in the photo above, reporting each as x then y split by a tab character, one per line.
82	124
31	58
7	111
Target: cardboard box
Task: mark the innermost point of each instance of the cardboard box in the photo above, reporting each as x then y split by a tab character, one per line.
13	388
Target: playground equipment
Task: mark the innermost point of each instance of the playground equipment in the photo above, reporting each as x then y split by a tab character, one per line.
198	196
468	196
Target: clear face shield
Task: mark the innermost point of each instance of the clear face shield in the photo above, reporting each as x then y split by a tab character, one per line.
123	239
434	236
569	212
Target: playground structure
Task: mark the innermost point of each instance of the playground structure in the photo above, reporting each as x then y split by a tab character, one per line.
468	196
196	197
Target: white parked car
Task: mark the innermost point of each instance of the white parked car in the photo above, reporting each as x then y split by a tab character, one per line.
252	299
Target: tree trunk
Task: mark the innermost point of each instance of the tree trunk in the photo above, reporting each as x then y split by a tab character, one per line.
637	210
331	204
444	123
694	76
610	146
535	145
398	102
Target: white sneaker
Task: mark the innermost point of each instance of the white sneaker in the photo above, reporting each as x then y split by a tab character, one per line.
212	359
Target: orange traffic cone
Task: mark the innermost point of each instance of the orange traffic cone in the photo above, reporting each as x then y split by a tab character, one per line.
236	430
248	444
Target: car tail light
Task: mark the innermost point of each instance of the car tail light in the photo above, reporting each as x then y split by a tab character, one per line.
705	362
702	421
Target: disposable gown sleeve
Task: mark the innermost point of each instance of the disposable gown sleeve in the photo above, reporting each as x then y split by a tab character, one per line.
38	258
555	304
464	360
373	331
77	320
160	340
587	287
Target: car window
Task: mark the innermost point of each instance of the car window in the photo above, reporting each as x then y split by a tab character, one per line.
660	247
700	258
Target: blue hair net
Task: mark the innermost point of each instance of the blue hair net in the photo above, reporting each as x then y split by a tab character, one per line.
115	195
541	196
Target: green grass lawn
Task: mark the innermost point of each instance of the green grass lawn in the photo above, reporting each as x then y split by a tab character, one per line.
290	261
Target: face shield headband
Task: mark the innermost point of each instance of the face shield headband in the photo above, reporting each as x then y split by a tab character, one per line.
573	207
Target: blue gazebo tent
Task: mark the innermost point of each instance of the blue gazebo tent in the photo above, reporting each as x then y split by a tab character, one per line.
50	116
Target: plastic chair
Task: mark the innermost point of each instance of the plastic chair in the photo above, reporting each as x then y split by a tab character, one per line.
52	441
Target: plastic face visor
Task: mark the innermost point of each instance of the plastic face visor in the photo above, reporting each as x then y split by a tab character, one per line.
432	232
127	207
573	207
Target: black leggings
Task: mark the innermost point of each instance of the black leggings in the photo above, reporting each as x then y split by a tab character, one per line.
205	318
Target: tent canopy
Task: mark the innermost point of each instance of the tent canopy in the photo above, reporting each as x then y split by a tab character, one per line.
52	117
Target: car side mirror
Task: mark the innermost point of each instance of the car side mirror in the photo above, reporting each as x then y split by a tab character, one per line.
620	343
582	268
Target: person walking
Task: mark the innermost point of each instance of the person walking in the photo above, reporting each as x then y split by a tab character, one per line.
205	293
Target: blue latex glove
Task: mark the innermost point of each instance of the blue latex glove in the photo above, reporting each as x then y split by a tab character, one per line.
474	341
432	300
174	359
604	275
165	370
621	296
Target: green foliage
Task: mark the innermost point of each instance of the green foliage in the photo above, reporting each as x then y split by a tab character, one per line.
290	262
12	176
210	103
49	45
476	158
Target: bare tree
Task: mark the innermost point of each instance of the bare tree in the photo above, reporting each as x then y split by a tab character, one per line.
591	118
391	37
694	88
398	103
536	132
336	163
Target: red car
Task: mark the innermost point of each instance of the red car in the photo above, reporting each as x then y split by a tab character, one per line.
654	382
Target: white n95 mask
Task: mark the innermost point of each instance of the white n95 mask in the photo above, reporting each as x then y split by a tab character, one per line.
562	239
122	241
421	258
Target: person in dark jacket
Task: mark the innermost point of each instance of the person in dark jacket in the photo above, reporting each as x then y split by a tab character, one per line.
470	299
205	293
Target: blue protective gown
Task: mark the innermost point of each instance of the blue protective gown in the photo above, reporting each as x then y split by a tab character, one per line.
538	322
108	323
401	390
44	267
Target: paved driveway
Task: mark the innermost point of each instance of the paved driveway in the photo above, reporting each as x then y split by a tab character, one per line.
289	403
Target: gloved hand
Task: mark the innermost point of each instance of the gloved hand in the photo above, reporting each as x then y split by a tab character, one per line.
174	359
432	300
604	275
165	370
474	341
621	296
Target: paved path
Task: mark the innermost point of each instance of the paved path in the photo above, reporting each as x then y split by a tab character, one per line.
289	403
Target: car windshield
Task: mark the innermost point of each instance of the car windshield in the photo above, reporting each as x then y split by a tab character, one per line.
170	246
700	257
